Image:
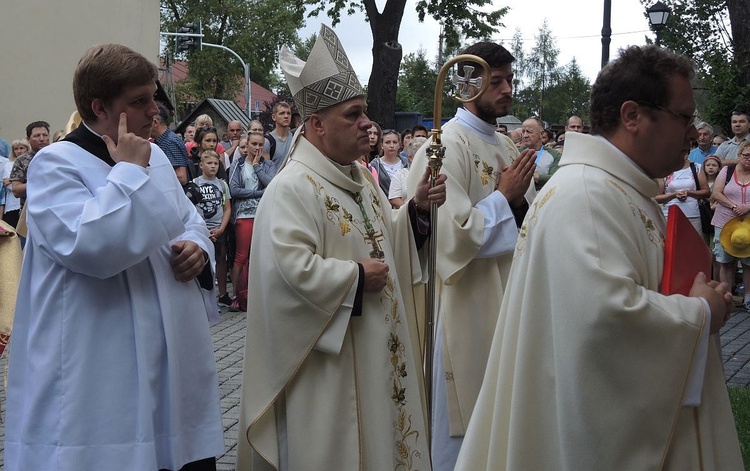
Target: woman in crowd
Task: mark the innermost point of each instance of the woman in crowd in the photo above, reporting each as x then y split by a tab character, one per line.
256	126
201	122
375	134
397	192
253	126
719	139
248	180
680	188
390	162
731	194
406	137
207	138
12	204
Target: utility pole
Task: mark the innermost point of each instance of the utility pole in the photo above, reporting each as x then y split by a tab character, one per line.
191	37
606	31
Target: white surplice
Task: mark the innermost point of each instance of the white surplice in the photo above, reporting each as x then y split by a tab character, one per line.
112	363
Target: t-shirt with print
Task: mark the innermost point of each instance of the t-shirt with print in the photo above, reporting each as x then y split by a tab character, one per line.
215	193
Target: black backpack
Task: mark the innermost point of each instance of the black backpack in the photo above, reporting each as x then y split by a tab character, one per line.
271	145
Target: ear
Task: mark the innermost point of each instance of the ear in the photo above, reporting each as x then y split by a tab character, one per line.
315	125
630	112
97	106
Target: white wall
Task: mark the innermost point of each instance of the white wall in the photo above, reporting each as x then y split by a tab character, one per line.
41	42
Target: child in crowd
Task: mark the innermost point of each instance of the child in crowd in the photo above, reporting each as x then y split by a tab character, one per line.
711	168
216	210
208	139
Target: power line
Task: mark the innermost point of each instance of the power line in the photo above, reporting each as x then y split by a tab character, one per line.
582	37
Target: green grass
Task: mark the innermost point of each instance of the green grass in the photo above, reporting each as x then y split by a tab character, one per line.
740	399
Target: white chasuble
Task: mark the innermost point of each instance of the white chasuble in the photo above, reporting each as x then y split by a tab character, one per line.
112	363
590	363
471	285
323	389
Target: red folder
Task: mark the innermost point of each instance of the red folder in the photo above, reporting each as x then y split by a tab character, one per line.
685	254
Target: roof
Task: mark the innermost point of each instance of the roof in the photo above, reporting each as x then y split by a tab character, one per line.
259	95
221	111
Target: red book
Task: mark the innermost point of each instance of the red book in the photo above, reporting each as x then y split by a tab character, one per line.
685	254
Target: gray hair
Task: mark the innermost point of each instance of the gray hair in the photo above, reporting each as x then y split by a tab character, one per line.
414	145
704	125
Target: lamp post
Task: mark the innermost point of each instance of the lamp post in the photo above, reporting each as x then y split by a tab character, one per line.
658	14
606	31
195	36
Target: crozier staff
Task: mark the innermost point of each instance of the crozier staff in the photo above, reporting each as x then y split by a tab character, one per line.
332	375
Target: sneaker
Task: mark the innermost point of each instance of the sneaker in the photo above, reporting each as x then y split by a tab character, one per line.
225	300
235	306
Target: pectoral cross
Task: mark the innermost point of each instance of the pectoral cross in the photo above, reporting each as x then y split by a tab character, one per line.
374	238
464	82
371	236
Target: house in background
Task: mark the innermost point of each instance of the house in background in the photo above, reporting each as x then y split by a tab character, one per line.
219	110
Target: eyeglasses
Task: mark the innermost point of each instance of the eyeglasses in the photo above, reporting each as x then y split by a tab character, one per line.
389	131
744	155
689	118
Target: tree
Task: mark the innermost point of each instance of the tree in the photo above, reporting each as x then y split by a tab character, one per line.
568	96
541	87
457	17
542	64
254	30
519	66
714	33
416	87
416	84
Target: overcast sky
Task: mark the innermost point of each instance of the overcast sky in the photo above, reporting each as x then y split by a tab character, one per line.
577	27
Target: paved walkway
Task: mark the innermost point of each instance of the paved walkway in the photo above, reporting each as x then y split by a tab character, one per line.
229	346
735	349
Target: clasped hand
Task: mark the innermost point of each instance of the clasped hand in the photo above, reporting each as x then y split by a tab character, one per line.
514	180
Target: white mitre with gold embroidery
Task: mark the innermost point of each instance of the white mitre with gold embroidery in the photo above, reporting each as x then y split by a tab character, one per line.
327	78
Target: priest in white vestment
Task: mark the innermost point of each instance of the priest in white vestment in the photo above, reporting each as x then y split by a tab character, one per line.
333	376
591	367
489	189
112	363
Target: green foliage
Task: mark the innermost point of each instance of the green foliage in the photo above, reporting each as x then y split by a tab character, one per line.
568	95
739	397
303	48
474	19
541	87
416	87
253	29
460	18
700	29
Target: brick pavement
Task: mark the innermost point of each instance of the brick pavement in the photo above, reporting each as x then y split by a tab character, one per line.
229	345
735	341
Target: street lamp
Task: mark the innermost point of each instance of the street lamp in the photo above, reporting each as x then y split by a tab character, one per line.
606	31
658	15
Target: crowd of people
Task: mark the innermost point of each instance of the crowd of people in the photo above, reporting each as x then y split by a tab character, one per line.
553	346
